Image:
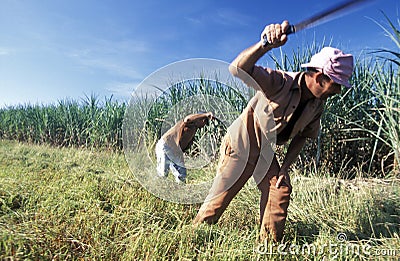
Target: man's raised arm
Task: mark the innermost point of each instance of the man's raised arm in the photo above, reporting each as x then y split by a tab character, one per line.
247	59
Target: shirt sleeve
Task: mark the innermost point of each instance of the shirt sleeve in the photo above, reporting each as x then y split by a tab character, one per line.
270	81
312	129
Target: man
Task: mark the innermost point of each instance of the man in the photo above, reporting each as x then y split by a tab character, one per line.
170	148
296	100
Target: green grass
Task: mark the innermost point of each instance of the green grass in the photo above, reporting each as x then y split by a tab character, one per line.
71	204
89	122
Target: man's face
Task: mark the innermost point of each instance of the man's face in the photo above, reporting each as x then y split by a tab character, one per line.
328	88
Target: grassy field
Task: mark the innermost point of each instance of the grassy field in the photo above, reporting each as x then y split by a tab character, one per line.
74	204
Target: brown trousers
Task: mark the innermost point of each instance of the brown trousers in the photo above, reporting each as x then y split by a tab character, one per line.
232	174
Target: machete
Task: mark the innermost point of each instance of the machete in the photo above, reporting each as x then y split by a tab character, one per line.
322	17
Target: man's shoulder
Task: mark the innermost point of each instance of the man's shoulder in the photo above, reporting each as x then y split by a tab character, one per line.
285	82
176	128
292	75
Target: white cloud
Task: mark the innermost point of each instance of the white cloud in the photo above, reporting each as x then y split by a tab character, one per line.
222	16
114	57
112	67
231	17
5	51
122	90
124	47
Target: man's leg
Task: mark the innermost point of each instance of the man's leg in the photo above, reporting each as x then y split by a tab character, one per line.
216	203
232	174
274	203
162	160
179	172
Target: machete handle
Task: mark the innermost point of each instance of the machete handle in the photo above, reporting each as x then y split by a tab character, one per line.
291	30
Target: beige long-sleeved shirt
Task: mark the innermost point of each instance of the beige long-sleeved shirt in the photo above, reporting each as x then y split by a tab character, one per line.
283	92
183	132
278	96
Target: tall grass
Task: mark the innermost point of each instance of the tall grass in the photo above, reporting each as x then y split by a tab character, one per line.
390	97
381	119
92	123
88	123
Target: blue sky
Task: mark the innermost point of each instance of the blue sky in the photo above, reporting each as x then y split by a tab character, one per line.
51	50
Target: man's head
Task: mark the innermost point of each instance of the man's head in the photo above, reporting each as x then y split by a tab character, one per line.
333	68
205	120
333	63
